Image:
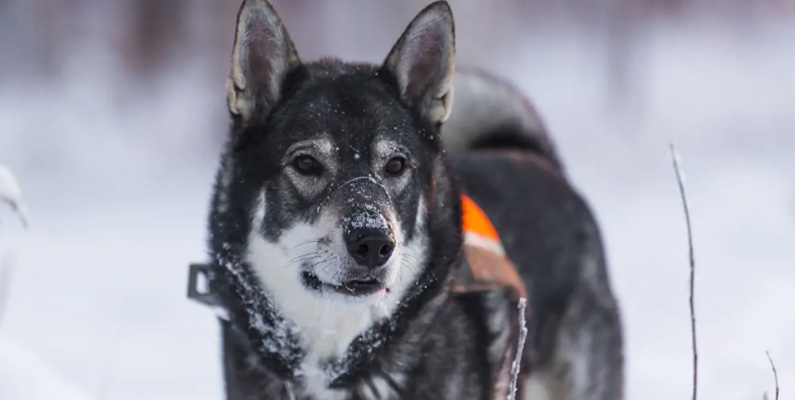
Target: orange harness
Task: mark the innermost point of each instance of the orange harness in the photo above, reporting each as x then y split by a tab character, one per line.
489	266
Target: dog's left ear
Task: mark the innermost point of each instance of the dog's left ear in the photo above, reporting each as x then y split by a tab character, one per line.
423	61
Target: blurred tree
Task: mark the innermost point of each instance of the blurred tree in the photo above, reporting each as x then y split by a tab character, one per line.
158	28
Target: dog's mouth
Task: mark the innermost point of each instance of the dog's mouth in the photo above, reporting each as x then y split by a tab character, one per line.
352	287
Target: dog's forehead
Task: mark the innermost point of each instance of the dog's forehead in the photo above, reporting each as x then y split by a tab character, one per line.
352	113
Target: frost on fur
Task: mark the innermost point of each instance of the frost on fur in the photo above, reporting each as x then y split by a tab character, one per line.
516	365
11	194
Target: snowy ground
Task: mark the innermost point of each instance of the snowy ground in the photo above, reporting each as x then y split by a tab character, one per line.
117	192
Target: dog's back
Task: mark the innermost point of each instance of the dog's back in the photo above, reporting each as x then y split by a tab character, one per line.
509	166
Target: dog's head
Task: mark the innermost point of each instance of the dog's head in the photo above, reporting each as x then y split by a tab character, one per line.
333	168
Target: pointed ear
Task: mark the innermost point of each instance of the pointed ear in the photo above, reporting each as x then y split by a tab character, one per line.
262	56
423	61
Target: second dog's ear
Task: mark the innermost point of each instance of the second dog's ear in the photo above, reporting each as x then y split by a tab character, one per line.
262	56
423	61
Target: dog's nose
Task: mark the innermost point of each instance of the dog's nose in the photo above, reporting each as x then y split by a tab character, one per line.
370	247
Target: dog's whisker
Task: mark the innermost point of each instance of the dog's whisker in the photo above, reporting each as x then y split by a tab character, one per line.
411	267
408	258
306	243
301	259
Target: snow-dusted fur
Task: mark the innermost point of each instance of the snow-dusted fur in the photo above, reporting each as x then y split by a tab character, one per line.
328	322
508	161
335	228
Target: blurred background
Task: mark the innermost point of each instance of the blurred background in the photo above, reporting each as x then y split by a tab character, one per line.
112	114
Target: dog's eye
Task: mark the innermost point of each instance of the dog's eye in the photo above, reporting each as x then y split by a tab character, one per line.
395	166
306	165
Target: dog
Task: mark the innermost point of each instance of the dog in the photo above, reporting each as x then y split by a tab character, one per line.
341	260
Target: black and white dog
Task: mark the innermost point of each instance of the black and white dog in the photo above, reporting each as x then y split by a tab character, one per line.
335	230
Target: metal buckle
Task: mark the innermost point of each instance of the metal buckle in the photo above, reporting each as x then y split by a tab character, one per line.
207	298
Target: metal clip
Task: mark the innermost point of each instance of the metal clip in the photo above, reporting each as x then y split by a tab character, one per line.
207	298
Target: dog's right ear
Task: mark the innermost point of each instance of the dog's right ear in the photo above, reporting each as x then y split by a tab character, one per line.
423	60
262	56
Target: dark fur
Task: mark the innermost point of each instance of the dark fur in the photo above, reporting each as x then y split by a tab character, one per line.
509	166
437	345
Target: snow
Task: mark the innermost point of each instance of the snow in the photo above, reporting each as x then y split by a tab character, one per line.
119	185
724	98
25	376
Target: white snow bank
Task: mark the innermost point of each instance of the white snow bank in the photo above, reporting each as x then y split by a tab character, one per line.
26	376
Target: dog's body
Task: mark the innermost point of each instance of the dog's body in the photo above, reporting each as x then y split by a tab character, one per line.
335	232
509	165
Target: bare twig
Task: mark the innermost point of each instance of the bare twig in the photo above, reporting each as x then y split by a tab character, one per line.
517	361
775	373
288	387
11	194
18	210
680	180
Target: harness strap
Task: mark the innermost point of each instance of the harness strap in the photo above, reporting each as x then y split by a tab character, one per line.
489	267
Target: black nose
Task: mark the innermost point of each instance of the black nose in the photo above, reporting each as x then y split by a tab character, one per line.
370	247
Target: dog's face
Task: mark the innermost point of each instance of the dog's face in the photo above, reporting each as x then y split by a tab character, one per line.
346	169
333	165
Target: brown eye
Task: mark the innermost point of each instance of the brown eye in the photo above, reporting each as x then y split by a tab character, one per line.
395	166
306	165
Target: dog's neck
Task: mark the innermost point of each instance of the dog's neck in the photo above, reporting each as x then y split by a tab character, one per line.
278	343
252	315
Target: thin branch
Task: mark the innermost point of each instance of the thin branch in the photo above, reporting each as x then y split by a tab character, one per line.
288	387
775	373
680	180
18	210
517	361
11	194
